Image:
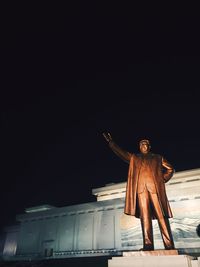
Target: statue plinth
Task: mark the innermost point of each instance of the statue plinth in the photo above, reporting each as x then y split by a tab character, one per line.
158	258
160	252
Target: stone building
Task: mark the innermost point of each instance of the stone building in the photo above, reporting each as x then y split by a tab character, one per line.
101	228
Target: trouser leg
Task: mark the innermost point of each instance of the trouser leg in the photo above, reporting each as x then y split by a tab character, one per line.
145	219
163	223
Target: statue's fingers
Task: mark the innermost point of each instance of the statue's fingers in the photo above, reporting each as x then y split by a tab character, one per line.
104	134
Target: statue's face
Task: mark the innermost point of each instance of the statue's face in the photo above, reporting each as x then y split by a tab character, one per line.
144	147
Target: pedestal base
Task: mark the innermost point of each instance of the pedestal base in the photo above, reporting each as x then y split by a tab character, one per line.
160	252
156	258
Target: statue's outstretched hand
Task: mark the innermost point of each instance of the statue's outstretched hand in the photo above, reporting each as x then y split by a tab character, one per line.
107	136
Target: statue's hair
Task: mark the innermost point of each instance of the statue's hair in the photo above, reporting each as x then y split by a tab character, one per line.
144	141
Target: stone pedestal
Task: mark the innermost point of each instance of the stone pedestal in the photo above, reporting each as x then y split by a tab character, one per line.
159	252
157	258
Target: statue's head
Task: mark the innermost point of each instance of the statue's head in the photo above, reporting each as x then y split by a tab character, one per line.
144	146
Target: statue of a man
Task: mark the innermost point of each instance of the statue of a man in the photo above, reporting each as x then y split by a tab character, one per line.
145	192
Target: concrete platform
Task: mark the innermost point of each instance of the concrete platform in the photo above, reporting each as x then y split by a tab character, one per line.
157	258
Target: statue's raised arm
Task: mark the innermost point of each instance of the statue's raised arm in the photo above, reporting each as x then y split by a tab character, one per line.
108	137
124	155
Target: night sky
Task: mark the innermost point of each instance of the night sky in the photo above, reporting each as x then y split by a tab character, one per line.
66	79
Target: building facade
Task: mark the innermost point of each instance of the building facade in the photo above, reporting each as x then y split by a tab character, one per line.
101	227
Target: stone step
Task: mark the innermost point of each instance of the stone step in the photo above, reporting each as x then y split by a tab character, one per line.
154	261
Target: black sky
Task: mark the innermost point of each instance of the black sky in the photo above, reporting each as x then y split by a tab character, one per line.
67	79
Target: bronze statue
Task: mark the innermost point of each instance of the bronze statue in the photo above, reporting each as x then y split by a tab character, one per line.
145	192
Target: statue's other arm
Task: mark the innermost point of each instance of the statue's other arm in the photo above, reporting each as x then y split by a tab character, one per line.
124	155
169	170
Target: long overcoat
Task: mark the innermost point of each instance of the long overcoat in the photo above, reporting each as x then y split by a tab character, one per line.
161	171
